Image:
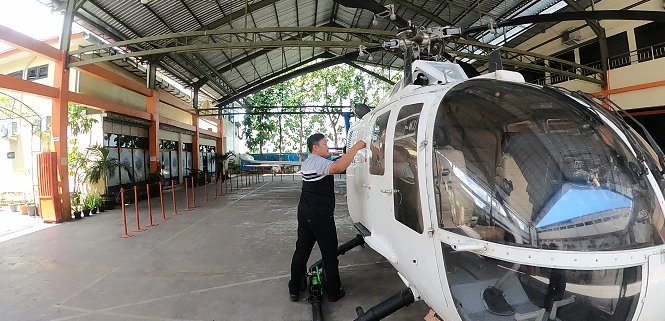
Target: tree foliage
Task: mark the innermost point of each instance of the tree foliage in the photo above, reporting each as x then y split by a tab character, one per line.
340	85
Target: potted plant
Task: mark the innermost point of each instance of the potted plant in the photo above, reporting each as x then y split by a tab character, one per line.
32	210
24	208
103	167
13	207
76	206
87	205
98	205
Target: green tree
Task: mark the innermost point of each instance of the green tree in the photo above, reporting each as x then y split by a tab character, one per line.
340	85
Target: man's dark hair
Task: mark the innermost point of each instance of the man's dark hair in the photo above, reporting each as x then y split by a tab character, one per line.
313	140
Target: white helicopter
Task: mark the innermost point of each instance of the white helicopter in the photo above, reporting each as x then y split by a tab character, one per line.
499	200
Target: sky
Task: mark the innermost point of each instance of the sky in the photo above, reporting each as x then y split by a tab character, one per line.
31	18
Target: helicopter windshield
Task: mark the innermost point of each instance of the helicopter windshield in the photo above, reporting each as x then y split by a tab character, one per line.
528	166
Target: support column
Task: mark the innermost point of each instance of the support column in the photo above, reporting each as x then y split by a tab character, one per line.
181	156
632	45
548	80
220	136
195	122
152	107
60	120
66	36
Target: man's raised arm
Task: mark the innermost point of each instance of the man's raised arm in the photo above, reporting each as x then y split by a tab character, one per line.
345	161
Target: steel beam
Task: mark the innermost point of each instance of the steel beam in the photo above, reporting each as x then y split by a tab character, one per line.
171	37
302	71
600	33
66	35
237	14
371	73
151	77
529	54
436	19
228	45
528	65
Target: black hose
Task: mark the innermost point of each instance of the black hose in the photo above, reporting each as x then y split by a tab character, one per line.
387	307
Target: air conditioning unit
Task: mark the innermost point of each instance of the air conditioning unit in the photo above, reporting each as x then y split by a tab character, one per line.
9	129
570	37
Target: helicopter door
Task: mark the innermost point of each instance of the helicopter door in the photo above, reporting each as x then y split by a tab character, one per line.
410	241
378	181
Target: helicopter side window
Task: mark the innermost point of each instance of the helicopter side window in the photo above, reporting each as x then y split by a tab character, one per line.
405	169
377	148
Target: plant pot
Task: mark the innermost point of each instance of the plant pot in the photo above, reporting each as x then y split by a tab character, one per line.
86	212
13	207
101	209
94	211
32	210
24	209
77	215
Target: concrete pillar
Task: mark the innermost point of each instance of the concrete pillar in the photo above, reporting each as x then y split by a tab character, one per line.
181	156
548	80
152	107
195	122
195	143
632	45
59	122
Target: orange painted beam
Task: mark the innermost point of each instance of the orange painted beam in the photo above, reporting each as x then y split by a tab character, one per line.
100	104
649	85
25	43
152	106
208	132
171	100
50	42
59	122
113	78
28	87
176	123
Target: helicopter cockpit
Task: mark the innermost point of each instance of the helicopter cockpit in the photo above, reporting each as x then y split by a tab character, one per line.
531	167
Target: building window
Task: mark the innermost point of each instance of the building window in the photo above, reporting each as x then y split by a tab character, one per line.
16	74
39	72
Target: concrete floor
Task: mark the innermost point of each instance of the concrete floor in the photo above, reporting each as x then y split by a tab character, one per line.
228	259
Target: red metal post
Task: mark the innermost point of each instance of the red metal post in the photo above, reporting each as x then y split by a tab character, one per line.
124	214
175	208
187	195
193	193
136	206
161	200
147	190
205	183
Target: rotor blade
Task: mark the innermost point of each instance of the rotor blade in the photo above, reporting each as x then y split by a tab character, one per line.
375	7
370	5
657	16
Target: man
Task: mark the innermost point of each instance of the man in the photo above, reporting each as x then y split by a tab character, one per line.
315	216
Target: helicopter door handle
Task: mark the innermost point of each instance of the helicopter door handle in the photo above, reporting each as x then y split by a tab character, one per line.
367	185
388	191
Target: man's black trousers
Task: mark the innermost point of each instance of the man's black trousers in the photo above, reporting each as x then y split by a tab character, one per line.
319	228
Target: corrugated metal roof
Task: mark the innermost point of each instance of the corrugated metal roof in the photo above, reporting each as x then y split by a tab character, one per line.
122	20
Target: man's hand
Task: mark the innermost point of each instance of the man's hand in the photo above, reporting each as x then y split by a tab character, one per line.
343	162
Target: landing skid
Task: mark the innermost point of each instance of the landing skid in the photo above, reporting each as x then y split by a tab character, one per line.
387	307
316	276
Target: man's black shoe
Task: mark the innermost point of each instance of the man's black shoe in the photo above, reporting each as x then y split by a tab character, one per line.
339	295
294	297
